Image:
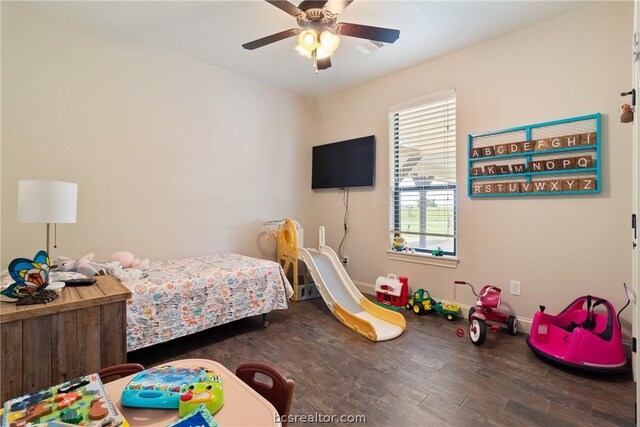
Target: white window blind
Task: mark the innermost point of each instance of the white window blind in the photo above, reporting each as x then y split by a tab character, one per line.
423	172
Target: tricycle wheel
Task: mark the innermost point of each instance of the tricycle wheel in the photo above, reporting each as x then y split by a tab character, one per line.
477	331
512	325
471	311
418	309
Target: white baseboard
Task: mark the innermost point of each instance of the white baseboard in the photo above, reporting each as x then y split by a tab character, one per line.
366	288
524	324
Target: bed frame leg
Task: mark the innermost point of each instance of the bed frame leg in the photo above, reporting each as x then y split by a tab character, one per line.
265	322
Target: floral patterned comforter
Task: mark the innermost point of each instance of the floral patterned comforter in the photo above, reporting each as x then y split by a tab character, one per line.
183	296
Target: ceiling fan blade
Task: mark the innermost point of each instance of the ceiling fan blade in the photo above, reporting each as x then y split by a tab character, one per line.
324	63
312	4
385	35
271	39
337	6
286	6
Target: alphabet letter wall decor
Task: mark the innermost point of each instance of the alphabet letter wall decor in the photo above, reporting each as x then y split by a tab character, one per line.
559	157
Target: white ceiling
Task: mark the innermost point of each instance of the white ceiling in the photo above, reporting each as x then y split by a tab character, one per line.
213	32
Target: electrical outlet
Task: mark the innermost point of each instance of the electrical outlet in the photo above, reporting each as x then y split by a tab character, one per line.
345	260
516	287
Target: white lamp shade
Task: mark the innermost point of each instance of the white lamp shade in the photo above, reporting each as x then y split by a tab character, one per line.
47	202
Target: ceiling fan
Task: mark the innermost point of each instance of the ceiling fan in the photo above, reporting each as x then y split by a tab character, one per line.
318	35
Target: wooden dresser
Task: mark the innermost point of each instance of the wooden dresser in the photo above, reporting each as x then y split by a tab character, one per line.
83	330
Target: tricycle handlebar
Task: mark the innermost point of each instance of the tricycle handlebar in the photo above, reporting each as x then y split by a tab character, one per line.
462	282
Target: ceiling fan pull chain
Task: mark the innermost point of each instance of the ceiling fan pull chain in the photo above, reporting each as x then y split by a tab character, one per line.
314	55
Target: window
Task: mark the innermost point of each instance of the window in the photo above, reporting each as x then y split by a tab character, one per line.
423	172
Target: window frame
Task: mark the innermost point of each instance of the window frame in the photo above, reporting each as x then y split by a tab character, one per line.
397	190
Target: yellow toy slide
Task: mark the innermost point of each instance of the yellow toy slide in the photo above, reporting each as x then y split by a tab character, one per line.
341	295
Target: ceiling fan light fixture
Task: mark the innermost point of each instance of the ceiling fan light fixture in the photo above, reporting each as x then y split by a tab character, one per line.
329	41
319	32
321	53
308	40
302	51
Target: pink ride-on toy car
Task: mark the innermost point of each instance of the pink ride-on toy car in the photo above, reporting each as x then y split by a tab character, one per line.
587	340
485	311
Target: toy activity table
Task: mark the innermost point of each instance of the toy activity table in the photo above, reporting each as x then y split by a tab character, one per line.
243	406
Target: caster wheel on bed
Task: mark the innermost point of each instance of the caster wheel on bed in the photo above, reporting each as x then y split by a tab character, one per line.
265	323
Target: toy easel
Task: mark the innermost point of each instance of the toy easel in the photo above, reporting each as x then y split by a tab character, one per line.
287	239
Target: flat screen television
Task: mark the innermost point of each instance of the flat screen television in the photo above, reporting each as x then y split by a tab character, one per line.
344	164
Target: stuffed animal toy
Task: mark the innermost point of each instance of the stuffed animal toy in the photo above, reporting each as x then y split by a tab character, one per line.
626	115
124	258
127	260
84	265
125	266
123	274
140	264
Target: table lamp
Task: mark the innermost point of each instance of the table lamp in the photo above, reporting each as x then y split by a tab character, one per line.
47	202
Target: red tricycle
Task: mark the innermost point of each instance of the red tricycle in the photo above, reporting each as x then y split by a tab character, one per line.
485	311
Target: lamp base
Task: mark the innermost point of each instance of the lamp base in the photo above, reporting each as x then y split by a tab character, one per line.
41	297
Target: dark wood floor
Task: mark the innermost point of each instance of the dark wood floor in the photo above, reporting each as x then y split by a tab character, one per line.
427	376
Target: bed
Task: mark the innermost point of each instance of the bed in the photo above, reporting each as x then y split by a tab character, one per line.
183	296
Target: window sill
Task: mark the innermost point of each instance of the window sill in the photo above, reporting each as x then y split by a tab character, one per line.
427	259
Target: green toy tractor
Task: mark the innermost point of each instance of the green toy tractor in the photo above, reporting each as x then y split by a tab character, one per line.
420	302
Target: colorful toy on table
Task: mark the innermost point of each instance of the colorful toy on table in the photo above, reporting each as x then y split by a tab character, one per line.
31	278
208	393
82	401
199	417
161	387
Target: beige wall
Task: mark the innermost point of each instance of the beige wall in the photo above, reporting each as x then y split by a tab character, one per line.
177	158
172	157
559	247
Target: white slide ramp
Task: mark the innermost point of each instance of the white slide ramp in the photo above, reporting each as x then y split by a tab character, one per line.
343	298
